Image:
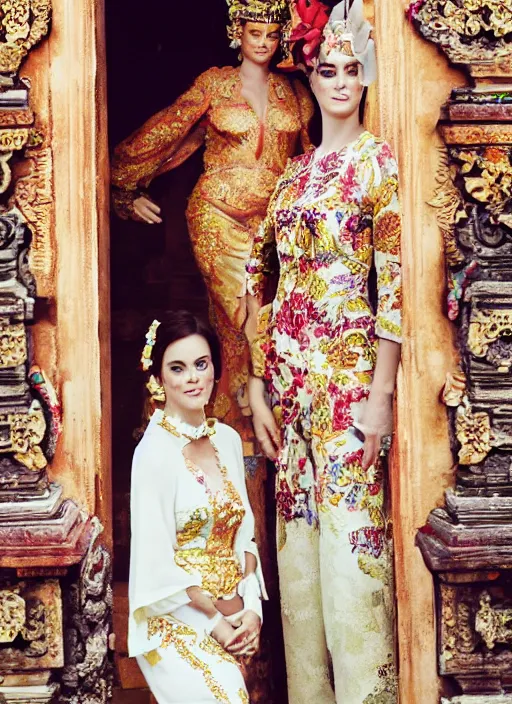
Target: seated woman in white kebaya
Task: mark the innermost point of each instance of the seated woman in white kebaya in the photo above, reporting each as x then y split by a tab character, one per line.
195	580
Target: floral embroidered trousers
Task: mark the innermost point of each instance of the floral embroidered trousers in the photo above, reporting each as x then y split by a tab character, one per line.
335	570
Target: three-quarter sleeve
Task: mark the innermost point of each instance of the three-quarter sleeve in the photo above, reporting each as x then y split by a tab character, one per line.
157	584
306	110
386	242
162	143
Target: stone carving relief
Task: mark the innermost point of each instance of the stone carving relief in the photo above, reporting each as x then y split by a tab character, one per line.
466	30
51	564
31	625
494	625
467	544
87	676
23	23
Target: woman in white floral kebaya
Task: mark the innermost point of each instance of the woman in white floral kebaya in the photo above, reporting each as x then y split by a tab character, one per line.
330	361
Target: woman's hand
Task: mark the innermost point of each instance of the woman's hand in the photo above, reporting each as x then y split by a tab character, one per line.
265	426
146	210
224	633
246	638
376	423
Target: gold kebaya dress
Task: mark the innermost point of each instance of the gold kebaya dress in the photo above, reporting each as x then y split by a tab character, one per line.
243	159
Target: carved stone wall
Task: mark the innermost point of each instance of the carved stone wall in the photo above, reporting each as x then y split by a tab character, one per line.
55	599
467	544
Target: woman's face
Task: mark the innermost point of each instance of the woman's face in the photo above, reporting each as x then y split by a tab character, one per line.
260	41
336	83
188	375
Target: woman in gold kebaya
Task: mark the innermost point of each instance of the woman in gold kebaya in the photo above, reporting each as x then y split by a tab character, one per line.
251	121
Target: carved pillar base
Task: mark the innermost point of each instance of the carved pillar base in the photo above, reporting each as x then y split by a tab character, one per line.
42	694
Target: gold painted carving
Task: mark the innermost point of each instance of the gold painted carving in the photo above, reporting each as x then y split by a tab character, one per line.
454	389
11	140
26	433
487	326
13	345
12	614
34	612
450	208
23	24
14	140
468	31
34	197
494	625
492	182
473	431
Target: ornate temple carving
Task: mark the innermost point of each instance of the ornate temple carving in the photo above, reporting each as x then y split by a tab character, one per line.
467	544
87	676
51	565
466	30
23	24
31	625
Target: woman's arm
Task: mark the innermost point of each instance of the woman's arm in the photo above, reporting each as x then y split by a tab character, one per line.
377	420
162	143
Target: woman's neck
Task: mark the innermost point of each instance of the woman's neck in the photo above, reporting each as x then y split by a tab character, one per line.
251	72
192	417
337	133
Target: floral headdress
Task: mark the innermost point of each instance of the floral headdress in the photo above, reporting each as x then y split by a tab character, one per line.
145	360
267	11
317	33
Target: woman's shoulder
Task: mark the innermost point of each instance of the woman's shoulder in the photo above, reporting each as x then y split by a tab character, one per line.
227	432
372	145
217	75
155	447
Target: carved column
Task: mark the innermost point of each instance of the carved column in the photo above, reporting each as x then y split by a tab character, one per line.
467	544
49	556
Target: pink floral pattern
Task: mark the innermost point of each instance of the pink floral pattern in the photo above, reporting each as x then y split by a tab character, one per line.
330	219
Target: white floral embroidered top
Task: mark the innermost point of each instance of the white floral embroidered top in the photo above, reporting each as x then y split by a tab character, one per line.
183	533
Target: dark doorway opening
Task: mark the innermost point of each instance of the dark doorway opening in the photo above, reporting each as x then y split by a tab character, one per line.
154	53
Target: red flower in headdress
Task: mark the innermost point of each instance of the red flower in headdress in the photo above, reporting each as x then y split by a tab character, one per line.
314	15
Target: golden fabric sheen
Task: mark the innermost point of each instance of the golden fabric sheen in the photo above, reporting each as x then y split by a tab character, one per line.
243	159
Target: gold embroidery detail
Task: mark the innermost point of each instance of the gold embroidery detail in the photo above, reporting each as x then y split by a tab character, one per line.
244	697
212	647
216	560
175	634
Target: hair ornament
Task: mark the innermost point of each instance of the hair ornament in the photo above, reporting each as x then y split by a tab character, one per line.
344	30
145	359
266	11
312	16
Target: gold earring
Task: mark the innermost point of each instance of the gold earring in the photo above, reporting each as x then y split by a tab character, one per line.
156	390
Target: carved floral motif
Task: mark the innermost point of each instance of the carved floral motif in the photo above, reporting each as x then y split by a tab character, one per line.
493	624
473	431
23	24
31	625
466	30
12	615
26	431
33	195
487	327
13	345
